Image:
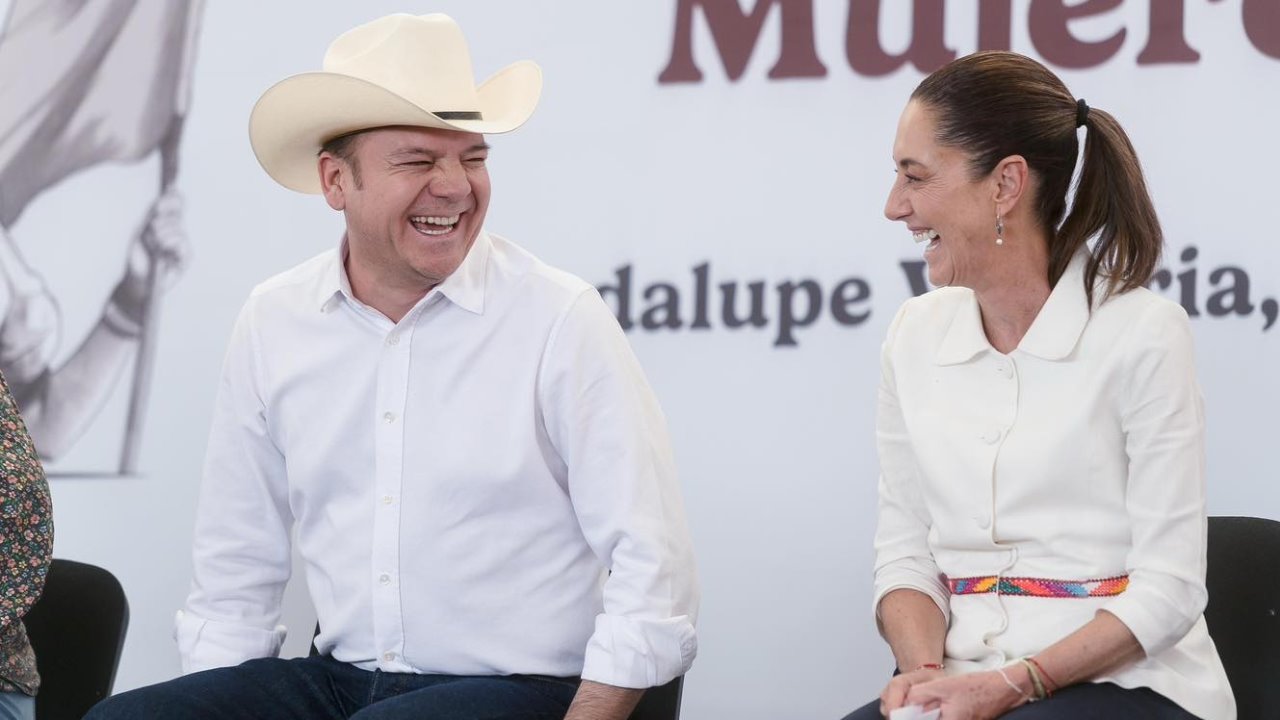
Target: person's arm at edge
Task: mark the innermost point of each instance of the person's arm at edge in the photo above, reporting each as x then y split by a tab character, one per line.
28	518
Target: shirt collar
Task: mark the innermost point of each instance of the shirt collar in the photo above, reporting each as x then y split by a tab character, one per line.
464	287
1052	336
1058	327
333	284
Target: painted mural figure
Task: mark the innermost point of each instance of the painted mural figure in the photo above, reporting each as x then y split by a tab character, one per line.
84	83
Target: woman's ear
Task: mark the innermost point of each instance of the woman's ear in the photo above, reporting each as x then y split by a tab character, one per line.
1012	177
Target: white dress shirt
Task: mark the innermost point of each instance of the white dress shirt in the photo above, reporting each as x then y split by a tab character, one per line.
1078	456
483	488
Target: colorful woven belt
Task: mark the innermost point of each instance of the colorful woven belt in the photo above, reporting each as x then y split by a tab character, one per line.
1039	587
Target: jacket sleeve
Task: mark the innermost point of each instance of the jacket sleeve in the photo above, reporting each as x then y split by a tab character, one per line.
903	557
1163	422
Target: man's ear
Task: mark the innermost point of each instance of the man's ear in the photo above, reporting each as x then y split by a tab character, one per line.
334	173
1012	178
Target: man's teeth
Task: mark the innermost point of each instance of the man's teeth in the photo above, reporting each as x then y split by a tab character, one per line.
436	219
445	221
926	236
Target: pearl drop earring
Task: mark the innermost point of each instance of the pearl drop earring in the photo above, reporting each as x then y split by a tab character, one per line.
999	229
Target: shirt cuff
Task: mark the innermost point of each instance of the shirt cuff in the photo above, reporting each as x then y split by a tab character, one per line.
634	653
206	644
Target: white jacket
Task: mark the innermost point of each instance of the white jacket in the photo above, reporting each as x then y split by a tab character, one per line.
1078	456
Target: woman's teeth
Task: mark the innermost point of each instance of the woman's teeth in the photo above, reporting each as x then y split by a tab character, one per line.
925	236
446	223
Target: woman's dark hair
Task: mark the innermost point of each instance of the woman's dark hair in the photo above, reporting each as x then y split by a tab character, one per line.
995	104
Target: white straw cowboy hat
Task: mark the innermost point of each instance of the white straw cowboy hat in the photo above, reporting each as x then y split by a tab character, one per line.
397	70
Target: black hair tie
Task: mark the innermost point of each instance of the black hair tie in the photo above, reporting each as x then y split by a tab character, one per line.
1082	112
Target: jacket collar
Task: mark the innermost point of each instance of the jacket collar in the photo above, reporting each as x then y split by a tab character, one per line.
1052	336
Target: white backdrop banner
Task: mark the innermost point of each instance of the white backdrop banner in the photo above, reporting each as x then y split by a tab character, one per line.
717	167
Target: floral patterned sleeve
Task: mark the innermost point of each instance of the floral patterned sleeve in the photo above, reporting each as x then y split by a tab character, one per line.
26	544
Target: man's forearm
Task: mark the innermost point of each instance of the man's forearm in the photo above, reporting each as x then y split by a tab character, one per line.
597	701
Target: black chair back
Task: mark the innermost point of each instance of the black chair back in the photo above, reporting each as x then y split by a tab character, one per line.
1244	599
77	629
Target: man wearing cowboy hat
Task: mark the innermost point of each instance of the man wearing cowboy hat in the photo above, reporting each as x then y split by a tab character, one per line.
477	475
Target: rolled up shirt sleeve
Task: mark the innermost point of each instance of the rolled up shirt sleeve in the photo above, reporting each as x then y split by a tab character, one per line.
903	557
603	420
1163	422
241	555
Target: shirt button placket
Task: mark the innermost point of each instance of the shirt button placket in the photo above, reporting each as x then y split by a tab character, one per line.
1005	404
393	382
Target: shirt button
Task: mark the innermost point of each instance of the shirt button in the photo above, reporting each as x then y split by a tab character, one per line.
385	579
389	657
389	417
983	520
387	499
393	339
991	436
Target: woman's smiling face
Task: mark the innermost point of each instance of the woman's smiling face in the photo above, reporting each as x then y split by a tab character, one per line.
940	202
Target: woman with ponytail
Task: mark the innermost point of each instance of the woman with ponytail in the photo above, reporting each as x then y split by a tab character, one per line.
1040	549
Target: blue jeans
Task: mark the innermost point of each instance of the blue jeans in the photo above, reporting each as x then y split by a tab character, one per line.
321	688
16	706
1086	701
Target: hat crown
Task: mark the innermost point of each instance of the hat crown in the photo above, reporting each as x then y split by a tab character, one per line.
422	58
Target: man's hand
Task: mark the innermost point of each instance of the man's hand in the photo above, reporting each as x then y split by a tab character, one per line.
597	701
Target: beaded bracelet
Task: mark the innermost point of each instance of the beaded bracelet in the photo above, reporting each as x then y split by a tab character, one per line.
1014	686
1036	681
1043	673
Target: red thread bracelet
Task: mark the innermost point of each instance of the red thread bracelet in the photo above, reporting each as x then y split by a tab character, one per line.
928	666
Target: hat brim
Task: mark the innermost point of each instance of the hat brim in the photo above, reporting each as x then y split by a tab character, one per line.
296	116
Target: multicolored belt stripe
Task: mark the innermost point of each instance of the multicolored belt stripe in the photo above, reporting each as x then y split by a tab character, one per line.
1039	587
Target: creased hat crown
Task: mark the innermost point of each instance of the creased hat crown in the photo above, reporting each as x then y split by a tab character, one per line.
400	69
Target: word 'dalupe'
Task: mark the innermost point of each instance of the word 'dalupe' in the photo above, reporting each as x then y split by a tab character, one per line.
736	32
789	305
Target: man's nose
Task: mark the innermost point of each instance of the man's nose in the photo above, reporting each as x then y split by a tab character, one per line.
449	180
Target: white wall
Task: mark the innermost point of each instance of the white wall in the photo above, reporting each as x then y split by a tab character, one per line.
765	180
